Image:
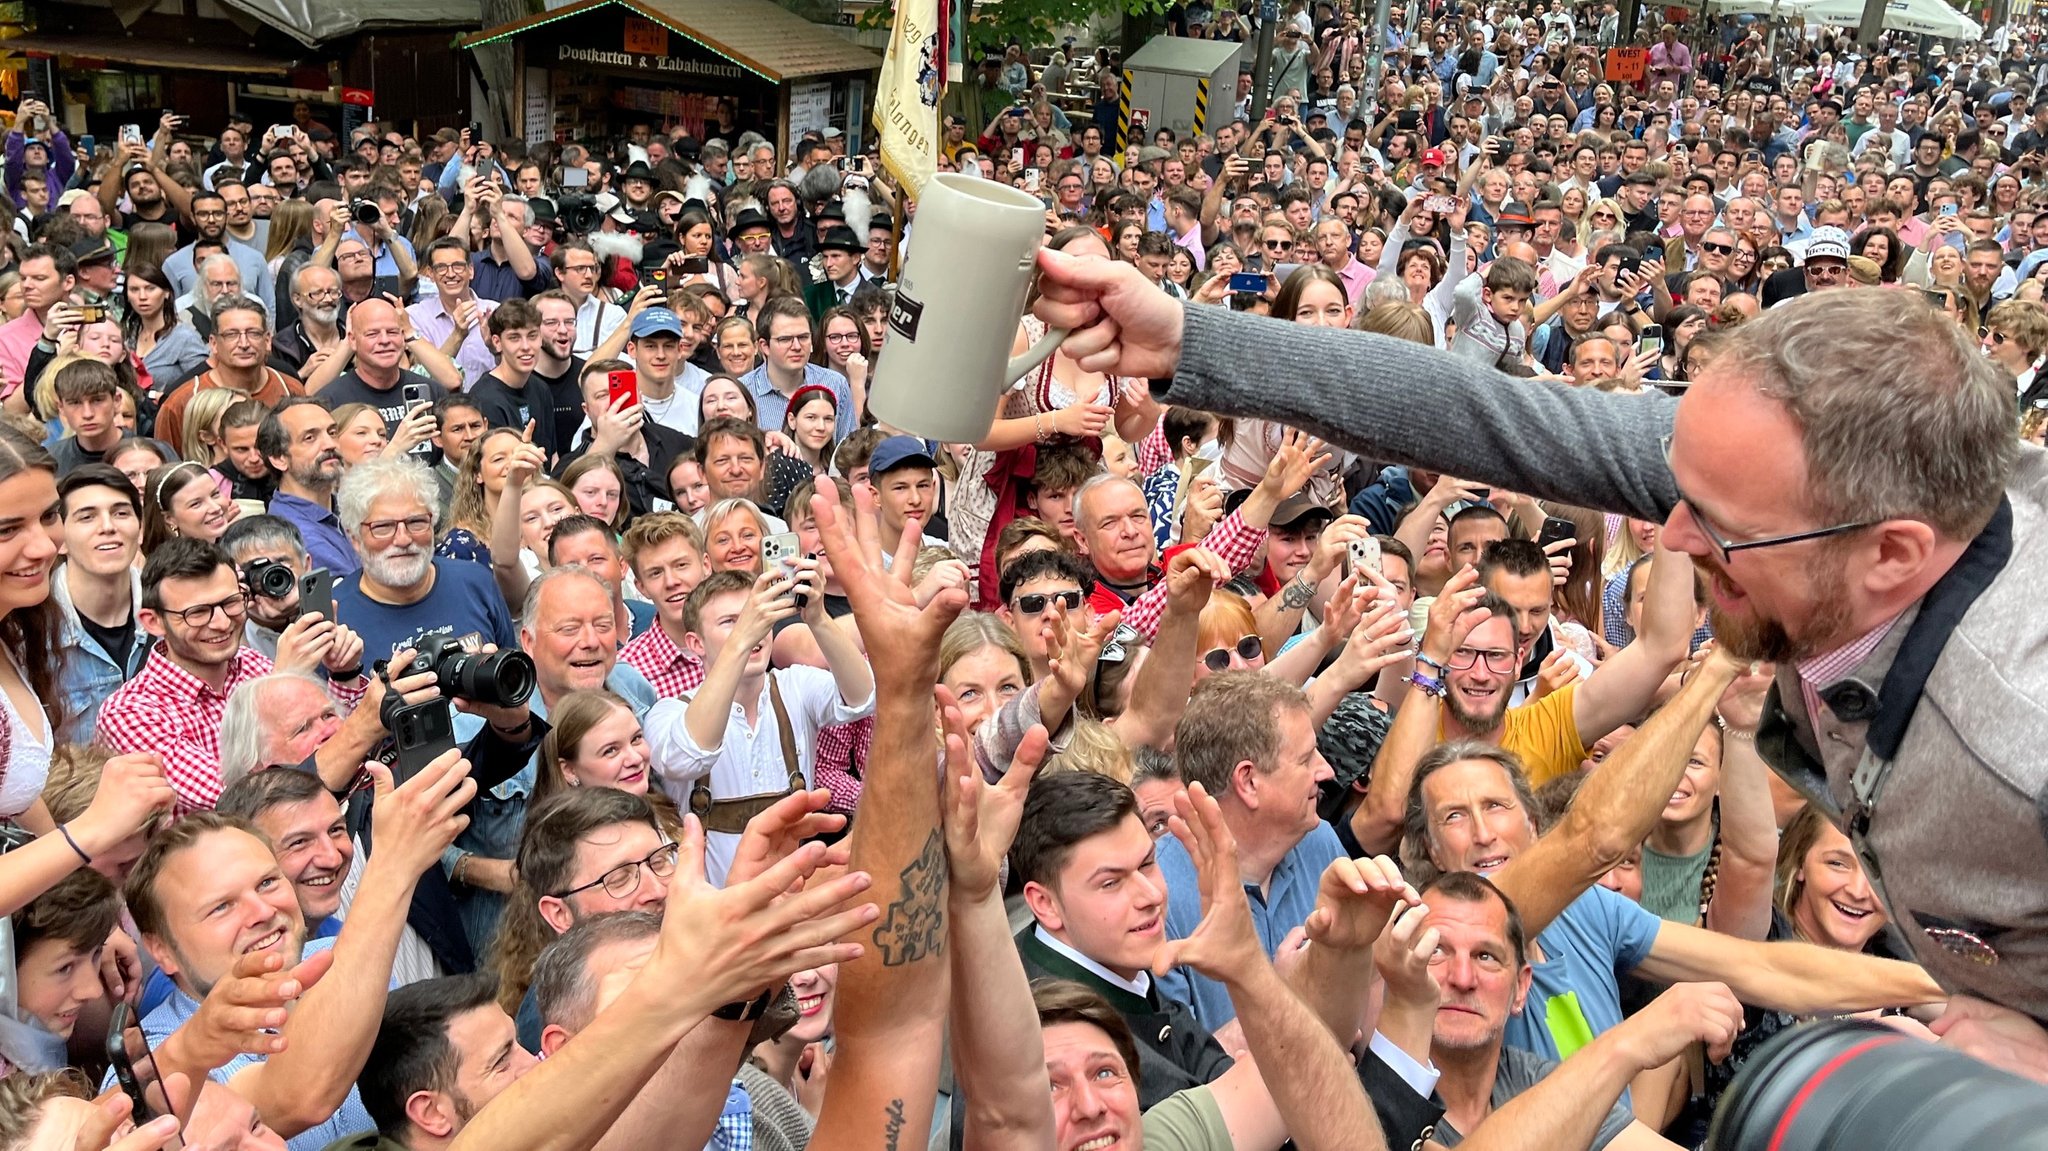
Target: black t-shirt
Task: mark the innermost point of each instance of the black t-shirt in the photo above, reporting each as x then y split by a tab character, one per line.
1765	85
351	388
506	407
566	391
186	234
117	641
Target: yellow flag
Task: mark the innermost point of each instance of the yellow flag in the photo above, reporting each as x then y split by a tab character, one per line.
907	105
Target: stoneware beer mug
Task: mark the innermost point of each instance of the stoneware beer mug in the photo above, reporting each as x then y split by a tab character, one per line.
956	310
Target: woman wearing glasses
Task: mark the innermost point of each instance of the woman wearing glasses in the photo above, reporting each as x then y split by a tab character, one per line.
846	348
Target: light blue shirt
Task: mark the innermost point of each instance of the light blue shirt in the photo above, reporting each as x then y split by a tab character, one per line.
348	1119
1285	905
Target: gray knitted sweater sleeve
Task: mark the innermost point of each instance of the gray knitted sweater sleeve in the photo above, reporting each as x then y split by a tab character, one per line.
1399	402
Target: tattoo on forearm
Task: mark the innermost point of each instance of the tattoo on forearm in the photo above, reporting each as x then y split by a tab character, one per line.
892	1132
1296	595
914	927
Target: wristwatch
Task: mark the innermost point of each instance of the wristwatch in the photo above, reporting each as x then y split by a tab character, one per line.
746	1009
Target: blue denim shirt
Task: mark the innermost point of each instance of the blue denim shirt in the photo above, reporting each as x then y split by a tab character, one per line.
90	675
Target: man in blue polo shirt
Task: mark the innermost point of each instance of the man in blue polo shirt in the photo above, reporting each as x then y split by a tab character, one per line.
784	326
1248	739
297	439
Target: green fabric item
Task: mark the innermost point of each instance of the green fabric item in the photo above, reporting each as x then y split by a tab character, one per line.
1671	883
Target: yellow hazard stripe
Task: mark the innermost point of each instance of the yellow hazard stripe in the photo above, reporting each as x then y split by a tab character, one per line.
1201	104
1123	115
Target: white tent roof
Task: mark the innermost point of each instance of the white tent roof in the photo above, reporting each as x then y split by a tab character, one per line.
1921	17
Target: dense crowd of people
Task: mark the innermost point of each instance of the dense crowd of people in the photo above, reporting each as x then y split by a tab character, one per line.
1514	591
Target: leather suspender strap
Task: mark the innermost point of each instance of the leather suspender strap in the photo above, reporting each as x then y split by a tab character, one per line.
731	815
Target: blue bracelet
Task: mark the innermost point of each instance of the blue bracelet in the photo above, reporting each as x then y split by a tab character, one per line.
64	830
1427	685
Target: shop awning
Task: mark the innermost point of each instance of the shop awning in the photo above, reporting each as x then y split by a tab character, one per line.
316	21
151	53
763	37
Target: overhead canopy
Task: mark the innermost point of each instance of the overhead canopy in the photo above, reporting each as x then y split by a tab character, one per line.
151	52
759	35
316	21
1919	17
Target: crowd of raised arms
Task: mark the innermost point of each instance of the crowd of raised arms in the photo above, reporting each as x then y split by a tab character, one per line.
474	673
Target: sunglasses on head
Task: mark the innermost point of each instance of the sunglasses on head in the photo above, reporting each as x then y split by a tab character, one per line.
1037	602
1248	648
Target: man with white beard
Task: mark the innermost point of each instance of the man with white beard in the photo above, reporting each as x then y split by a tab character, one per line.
388	506
316	298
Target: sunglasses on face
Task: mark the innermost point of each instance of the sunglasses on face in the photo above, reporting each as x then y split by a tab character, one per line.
1037	602
1717	249
1248	648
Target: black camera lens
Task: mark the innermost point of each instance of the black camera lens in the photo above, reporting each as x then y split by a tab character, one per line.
503	678
366	212
269	579
1854	1084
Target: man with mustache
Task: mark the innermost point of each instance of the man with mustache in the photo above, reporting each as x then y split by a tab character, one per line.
297	438
387	505
319	332
1813	474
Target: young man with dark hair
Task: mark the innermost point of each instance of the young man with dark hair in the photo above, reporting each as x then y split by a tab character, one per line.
785	328
1091	879
644	449
97	589
58	940
504	393
444	1049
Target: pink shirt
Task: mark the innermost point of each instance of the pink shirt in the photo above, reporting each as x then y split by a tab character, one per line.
17	339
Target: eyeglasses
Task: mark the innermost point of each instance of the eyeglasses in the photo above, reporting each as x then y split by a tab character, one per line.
1036	602
1497	661
383	531
445	268
1717	249
1729	547
588	269
240	337
791	340
1248	648
1278	245
842	337
624	880
199	615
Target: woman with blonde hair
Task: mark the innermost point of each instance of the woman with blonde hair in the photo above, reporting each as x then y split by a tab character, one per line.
290	222
1602	215
202	424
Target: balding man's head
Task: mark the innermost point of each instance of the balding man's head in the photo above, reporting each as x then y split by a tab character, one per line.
1521	250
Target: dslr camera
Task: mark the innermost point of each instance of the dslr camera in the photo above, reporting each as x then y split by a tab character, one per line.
366	212
502	679
577	215
269	578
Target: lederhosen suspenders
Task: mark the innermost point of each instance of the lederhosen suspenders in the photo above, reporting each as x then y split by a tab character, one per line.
731	815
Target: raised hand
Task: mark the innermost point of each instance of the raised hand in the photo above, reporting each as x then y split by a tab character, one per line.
1455	613
132	790
1558	671
1223	945
775	834
981	817
1402	954
1190	576
1299	457
1120	322
1355	901
1688	1013
414	822
884	608
1072	648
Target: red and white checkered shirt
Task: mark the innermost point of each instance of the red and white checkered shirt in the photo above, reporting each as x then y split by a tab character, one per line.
1234	541
170	711
1825	669
673	671
841	749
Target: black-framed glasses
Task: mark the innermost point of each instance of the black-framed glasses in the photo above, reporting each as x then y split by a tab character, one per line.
1036	602
1498	662
1247	647
624	880
1729	547
199	615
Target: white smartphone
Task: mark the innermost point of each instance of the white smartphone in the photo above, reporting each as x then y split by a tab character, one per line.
1365	553
779	549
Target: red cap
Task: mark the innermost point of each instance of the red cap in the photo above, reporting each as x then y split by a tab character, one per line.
1433	158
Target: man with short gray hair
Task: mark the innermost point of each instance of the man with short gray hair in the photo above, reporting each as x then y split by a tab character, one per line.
387	507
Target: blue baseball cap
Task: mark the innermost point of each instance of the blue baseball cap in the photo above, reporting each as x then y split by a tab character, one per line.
655	321
900	452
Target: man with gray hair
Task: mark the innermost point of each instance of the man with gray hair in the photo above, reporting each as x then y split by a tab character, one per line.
387	506
252	541
218	281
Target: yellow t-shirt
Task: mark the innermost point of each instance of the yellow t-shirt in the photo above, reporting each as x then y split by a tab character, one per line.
1544	736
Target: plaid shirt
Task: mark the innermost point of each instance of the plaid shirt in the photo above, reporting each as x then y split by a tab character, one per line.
842	751
1827	668
735	1129
673	671
170	711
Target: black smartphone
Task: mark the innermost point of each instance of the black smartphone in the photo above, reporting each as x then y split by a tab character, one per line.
1935	297
421	732
1630	265
1407	120
316	594
695	266
476	131
135	1068
1556	528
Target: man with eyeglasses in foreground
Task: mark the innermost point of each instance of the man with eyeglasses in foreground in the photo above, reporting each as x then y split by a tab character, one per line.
581	275
194	604
1847	476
